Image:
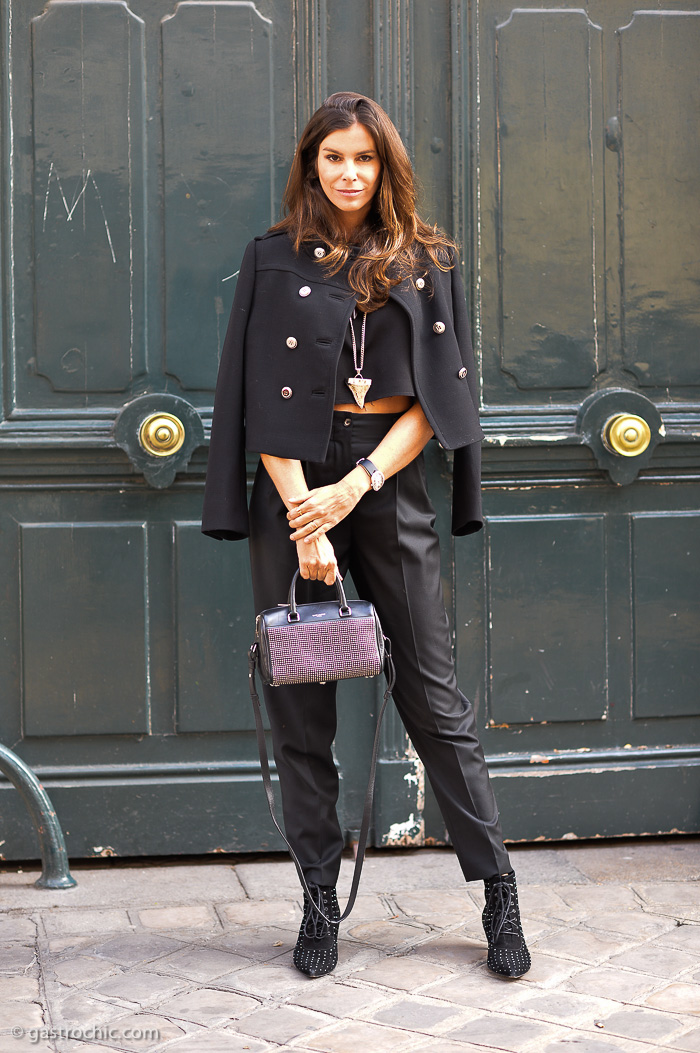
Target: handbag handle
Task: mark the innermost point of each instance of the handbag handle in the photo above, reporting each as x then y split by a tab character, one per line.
390	674
344	610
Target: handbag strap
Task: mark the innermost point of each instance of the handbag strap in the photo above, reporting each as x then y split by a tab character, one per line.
390	674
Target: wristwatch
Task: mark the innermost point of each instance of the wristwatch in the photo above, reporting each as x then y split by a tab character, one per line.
375	476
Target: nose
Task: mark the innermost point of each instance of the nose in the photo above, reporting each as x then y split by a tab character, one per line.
349	171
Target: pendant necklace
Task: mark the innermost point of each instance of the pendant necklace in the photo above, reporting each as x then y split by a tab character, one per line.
358	384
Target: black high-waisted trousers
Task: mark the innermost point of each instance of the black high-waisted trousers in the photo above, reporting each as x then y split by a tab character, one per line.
389	544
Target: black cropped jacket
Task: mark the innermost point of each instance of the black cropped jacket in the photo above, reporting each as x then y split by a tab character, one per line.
276	383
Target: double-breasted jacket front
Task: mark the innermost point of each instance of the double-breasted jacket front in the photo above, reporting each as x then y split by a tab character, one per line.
276	384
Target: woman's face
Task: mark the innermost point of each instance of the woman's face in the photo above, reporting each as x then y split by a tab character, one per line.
349	170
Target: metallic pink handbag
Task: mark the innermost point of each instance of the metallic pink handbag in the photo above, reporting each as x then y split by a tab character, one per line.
311	643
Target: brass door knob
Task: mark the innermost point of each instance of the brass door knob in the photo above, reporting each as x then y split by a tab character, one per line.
626	434
162	434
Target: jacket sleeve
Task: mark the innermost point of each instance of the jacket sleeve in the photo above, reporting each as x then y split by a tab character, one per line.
467	517
225	513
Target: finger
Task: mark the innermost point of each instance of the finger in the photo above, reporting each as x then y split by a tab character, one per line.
312	531
303	519
301	498
299	501
306	513
317	533
305	533
296	512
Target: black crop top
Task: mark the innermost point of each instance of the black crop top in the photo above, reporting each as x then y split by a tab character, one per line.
387	354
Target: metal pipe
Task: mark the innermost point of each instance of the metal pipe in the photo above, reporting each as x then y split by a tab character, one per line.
54	858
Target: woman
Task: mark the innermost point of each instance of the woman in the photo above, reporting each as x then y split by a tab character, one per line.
347	350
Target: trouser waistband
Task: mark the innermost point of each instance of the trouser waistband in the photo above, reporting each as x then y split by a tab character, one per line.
362	425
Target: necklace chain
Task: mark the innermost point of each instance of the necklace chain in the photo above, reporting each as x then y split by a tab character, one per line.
358	384
358	367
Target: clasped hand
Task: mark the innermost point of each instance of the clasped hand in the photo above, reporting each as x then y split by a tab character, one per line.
313	515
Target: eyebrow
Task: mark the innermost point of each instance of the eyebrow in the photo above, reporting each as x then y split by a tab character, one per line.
332	150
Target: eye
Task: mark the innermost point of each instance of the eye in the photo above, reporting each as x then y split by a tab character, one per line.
366	158
332	157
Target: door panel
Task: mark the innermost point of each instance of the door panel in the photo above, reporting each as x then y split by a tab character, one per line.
609	795
84	600
658	61
213	623
540	670
666	614
88	87
109	671
548	171
553	759
219	177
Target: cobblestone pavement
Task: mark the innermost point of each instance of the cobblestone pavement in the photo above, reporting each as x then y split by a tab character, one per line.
194	958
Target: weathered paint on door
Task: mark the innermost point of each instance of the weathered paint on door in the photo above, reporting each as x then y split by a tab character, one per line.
144	143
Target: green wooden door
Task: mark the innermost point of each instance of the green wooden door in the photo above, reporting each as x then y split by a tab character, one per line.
578	609
143	144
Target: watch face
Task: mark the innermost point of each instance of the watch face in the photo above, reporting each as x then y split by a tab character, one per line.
377	480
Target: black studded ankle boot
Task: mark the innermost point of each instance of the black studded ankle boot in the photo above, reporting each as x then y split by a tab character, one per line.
508	953
316	952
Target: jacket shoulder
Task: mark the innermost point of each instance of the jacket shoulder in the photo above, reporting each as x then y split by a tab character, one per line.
270	235
276	241
275	249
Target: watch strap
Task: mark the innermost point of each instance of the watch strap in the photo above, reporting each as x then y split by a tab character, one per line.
369	467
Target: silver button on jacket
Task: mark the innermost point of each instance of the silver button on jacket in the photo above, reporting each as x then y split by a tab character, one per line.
305	291
420	283
286	393
291	341
439	327
319	253
462	373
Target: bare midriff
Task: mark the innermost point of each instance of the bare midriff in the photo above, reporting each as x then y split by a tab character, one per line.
392	404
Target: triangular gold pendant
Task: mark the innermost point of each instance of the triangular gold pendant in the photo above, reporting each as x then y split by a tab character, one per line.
359	387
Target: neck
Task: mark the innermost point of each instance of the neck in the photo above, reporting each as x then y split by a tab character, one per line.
352	225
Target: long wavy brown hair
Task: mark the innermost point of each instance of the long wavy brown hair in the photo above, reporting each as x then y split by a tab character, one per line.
394	242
